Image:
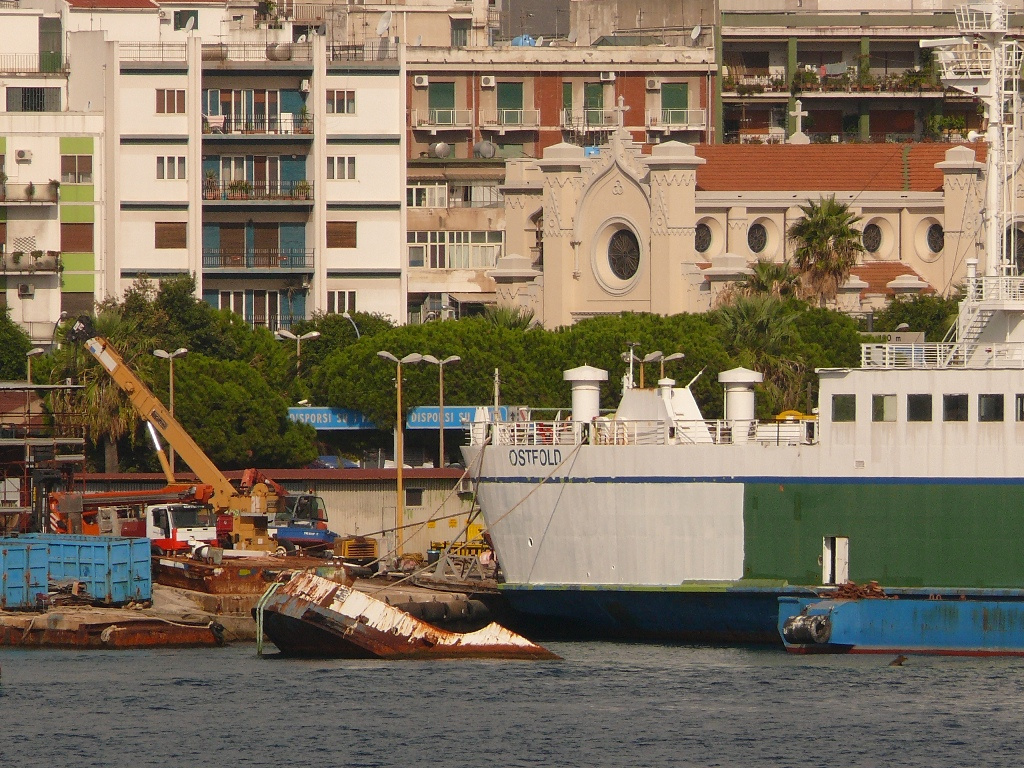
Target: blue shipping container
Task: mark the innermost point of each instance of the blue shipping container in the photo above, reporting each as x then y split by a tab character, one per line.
23	573
114	570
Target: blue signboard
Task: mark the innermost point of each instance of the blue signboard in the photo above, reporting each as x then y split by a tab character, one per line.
424	417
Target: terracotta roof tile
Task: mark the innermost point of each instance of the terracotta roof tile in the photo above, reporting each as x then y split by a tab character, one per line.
828	167
878	274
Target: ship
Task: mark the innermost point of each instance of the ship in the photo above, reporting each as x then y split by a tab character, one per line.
654	523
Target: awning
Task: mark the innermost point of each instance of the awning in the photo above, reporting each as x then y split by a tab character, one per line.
474	298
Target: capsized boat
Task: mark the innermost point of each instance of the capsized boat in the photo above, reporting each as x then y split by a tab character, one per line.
655	523
312	616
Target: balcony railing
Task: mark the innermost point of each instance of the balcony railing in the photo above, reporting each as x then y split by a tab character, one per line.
257	52
382	49
273	322
152	51
283	124
258	258
677	119
29	262
258	190
45	193
594	118
442	118
512	118
33	63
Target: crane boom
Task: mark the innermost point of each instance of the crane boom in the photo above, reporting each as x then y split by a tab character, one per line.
152	410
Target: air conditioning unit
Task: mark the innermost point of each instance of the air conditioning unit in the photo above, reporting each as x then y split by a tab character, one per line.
420	81
465	486
607	77
653	84
26	290
304	86
23	155
487	81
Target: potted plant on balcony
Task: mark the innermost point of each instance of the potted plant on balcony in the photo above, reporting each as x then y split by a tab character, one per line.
37	256
239	190
55	190
303	119
3	185
302	190
16	257
210	185
30	190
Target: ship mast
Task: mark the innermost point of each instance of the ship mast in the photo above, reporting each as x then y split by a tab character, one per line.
982	62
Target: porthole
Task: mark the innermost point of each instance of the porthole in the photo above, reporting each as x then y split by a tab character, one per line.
936	238
702	238
623	254
757	238
872	238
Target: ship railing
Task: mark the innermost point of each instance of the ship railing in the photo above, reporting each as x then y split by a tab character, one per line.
943	355
538	433
997	288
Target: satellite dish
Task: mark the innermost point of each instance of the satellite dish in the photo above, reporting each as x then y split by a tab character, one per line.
973	136
302	39
695	33
190	24
384	24
572	37
440	150
419	40
539	41
485	149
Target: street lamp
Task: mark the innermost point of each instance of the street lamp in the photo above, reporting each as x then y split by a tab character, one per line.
399	459
34	352
440	399
283	334
169	357
355	327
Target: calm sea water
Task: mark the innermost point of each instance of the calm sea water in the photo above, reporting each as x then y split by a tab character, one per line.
603	705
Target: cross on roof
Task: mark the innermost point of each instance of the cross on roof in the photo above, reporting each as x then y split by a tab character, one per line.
799	113
620	112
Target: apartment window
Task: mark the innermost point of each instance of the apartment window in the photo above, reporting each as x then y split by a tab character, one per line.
76	169
232	168
341	301
476	194
170	102
170	167
414	497
33	99
883	407
341	234
76	238
1019	407
426	196
181	19
954	407
170	234
919	407
454	249
341	168
341	102
460	32
990	407
844	407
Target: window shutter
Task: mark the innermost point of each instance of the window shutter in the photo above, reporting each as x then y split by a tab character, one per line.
181	102
341	234
76	238
170	234
160	96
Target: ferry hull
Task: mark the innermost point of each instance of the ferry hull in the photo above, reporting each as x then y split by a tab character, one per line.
914	626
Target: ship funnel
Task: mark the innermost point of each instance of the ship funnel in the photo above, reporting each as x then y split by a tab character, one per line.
739	399
586	391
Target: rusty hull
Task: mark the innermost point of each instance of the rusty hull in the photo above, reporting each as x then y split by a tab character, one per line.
235	576
59	630
311	616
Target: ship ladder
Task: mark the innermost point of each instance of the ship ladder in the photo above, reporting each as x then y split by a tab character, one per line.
264	599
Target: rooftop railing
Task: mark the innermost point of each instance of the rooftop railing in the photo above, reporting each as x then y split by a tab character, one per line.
152	51
33	63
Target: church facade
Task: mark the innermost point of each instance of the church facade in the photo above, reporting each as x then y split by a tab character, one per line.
612	229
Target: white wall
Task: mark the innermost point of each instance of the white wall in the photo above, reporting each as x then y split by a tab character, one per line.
138	173
378	174
378	104
138	113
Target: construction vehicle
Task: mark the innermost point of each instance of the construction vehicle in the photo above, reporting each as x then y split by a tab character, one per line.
248	510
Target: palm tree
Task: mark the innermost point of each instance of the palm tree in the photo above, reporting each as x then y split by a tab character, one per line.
771	279
512	317
827	247
760	335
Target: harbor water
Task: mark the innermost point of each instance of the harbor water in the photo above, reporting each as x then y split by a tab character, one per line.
603	705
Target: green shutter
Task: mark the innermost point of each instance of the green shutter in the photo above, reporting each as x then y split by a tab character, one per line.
567	96
441	96
674	96
510	96
593	96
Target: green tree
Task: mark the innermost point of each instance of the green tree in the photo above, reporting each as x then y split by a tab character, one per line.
771	279
509	317
827	246
14	343
930	313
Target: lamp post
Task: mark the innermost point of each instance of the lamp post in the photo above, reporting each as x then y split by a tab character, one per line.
399	459
34	352
355	327
169	357
309	336
440	399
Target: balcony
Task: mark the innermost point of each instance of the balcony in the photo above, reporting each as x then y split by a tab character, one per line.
30	262
279	259
174	52
33	64
589	119
504	120
16	193
257	190
271	321
382	49
435	120
257	52
667	120
285	124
